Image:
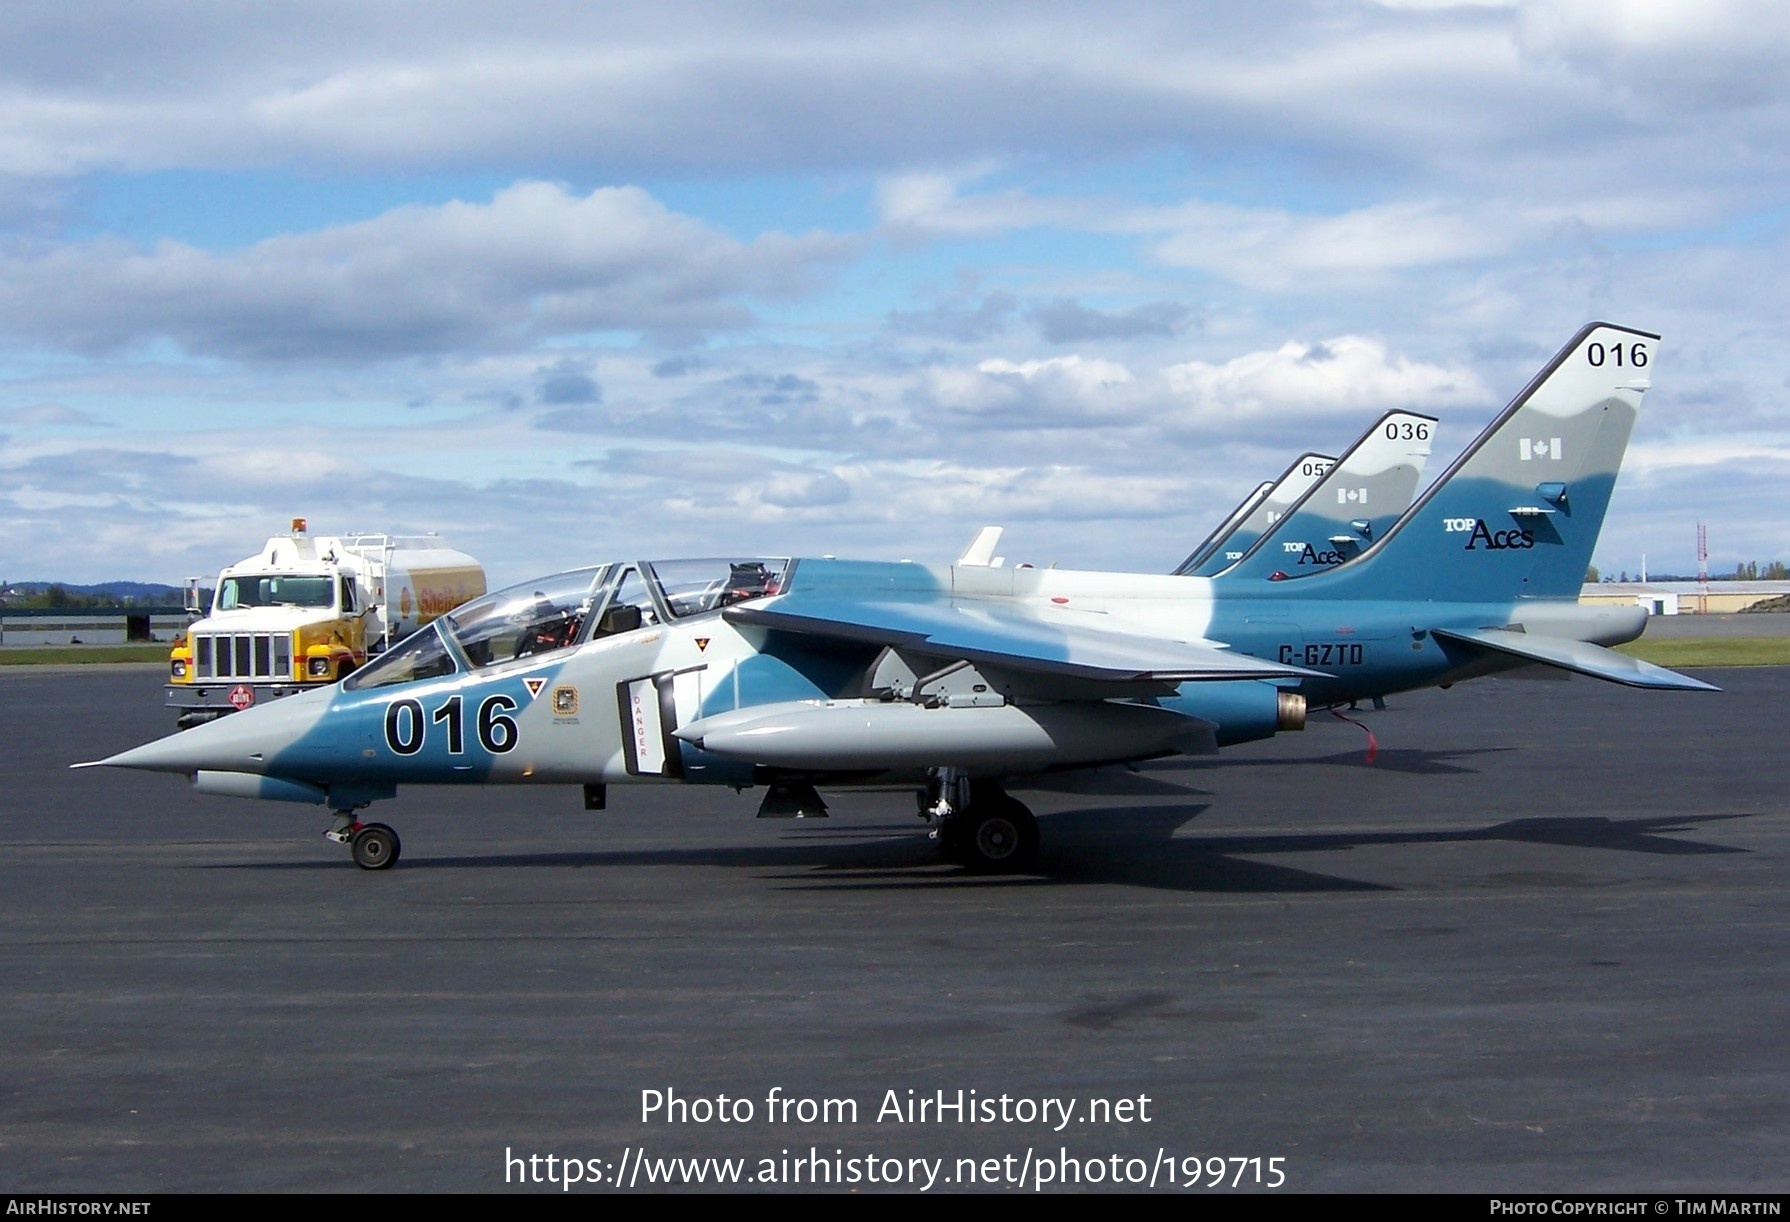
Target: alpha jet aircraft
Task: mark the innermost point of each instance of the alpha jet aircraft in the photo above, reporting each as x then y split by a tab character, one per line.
1254	515
791	674
1337	516
1359	494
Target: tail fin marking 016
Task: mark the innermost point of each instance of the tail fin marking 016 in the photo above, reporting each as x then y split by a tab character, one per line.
1518	513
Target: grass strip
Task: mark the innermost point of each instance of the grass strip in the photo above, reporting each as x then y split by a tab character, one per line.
1722	651
73	655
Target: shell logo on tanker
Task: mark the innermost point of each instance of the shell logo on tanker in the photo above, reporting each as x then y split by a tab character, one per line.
433	600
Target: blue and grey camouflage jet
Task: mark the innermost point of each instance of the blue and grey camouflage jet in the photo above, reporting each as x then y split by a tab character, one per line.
963	680
1255	516
1356	500
1360	494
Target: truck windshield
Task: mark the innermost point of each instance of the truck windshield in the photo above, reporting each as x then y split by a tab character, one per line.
288	590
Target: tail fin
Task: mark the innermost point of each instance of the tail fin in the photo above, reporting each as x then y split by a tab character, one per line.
1223	530
1356	501
1226	545
1518	513
980	552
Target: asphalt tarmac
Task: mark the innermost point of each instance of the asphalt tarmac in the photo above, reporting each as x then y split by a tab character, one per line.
1541	943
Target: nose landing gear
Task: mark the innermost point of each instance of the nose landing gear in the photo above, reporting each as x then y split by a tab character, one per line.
374	846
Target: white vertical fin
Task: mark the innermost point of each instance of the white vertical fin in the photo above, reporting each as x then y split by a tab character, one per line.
980	552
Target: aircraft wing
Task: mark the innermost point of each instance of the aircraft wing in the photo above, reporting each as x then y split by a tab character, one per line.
1580	657
1008	637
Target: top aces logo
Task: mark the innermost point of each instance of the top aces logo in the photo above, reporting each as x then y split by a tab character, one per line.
1478	533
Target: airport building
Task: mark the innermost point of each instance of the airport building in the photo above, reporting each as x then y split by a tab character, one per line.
1685	597
89	625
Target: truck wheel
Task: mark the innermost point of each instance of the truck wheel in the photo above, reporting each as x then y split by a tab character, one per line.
375	847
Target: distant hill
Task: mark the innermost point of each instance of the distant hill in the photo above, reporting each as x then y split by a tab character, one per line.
112	592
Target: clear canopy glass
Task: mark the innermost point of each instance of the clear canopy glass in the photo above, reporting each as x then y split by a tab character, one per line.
421	655
553	613
522	621
692	587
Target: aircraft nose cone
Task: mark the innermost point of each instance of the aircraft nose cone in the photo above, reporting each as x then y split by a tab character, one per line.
239	742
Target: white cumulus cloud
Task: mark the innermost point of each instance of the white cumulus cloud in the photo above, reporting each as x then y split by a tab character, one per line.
1062	391
535	262
1349	373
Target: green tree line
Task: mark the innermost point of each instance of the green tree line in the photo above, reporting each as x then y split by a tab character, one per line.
1749	570
61	598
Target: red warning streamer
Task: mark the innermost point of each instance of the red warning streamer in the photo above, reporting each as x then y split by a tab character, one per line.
1373	744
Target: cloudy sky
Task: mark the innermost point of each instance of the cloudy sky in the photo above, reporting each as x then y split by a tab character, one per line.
567	282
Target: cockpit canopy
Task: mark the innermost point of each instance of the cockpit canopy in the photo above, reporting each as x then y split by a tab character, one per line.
567	609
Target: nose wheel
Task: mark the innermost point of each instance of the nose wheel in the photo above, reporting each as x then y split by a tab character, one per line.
374	846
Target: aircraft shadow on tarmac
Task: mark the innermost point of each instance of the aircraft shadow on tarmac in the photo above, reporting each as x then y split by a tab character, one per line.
1086	851
1404	760
1138	846
1169	778
1132	846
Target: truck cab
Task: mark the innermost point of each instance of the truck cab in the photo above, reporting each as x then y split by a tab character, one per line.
308	611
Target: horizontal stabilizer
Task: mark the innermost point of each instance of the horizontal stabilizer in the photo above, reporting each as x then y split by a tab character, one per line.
991	634
1581	657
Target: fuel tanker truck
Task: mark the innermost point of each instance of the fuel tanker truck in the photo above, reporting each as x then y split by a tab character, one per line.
308	610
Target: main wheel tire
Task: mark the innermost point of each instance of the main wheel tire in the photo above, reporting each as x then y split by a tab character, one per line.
999	836
375	847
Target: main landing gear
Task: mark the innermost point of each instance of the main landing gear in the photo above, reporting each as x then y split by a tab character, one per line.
978	824
374	846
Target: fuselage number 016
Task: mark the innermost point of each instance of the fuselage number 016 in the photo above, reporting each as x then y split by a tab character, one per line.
407	727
